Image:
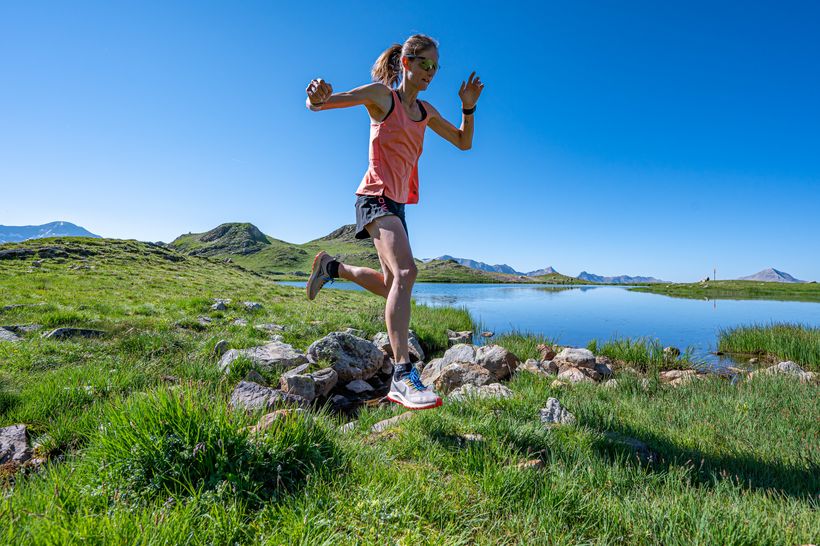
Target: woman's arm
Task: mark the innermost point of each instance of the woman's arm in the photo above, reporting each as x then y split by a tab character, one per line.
320	96
461	138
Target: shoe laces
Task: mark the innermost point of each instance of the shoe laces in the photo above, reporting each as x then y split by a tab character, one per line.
413	379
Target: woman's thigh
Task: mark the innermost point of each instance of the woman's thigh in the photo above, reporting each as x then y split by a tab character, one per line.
392	244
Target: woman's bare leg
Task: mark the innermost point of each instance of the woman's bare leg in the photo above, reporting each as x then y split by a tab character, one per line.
369	279
393	246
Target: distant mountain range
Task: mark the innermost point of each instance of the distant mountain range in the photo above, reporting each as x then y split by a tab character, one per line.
15	234
620	279
498	268
770	275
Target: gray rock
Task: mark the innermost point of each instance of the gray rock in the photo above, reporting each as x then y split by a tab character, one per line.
252	397
611	384
14	444
255	377
270	327
545	368
455	338
677	377
8	335
348	427
640	449
324	379
382	341
22	328
340	402
789	369
218	306
240	322
358	386
603	370
301	369
487	334
252	305
204	321
497	360
66	333
578	358
493	390
574	375
387	367
298	384
268	357
352	357
457	374
354	332
461	352
220	348
387	423
432	371
554	414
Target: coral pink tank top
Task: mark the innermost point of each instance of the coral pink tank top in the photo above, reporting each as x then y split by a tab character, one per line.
395	147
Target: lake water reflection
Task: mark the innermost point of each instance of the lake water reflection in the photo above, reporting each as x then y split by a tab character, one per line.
574	315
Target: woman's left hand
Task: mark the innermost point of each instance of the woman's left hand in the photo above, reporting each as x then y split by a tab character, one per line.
470	91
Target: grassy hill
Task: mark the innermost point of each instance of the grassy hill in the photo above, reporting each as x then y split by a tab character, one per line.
245	245
140	445
740	290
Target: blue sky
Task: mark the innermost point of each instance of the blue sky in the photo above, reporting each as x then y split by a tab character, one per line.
618	138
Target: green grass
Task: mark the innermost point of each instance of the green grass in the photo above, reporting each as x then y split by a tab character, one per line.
137	457
644	354
737	290
774	342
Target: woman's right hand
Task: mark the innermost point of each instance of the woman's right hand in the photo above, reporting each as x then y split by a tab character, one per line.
318	91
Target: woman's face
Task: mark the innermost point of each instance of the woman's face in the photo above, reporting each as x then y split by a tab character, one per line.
420	68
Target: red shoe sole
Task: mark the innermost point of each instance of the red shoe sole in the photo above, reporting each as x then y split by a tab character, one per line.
437	404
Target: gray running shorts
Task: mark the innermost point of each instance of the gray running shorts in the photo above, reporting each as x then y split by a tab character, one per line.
370	207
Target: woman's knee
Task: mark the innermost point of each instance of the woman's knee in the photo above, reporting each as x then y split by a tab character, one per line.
406	276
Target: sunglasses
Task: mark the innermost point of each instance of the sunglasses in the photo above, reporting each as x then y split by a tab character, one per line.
425	64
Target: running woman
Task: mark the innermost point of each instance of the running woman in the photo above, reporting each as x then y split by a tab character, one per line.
397	123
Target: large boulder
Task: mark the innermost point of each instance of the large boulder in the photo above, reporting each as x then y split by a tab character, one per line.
456	338
457	374
578	358
352	357
460	352
554	414
432	371
14	444
298	383
252	397
382	341
493	390
271	356
570	374
497	360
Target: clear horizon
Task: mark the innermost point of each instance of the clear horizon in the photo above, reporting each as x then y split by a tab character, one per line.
646	139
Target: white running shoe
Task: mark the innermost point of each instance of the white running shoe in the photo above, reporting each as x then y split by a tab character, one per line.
410	392
319	276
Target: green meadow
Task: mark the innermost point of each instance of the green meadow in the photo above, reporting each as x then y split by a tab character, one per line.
141	446
738	290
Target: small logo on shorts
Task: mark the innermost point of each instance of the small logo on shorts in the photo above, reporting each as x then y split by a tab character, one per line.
383	204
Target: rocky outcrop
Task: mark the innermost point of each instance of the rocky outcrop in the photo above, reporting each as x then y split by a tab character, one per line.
455	338
458	374
271	356
462	364
544	368
352	357
8	335
500	362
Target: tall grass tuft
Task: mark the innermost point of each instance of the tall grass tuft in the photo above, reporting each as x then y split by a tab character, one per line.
183	443
786	341
644	354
